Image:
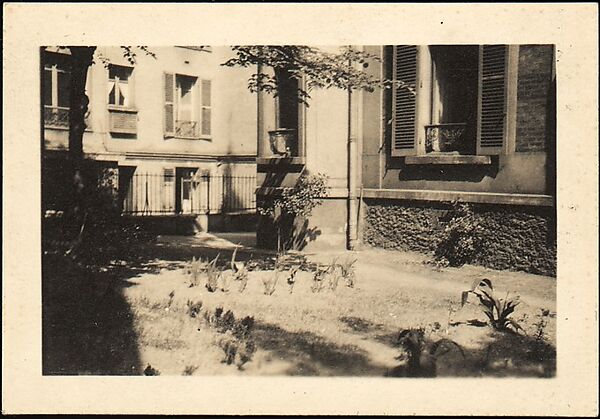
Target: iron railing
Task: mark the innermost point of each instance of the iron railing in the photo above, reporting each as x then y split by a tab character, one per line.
182	193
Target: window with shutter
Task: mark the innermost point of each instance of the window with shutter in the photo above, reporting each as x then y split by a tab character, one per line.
404	106
466	103
492	109
169	104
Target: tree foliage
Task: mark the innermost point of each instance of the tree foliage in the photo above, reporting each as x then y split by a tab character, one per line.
319	69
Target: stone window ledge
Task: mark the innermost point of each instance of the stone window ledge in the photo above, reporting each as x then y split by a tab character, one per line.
291	161
448	160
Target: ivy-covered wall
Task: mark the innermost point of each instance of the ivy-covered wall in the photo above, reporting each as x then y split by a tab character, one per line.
514	237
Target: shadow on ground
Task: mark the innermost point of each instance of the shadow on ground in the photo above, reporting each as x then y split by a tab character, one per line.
313	354
495	354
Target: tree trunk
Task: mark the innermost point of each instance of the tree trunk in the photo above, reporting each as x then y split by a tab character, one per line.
78	107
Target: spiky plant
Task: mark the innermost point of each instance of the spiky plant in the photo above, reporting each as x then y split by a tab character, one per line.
497	310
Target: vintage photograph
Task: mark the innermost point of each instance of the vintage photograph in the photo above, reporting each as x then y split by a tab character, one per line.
299	210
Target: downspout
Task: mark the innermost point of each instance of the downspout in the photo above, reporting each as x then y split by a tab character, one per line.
352	201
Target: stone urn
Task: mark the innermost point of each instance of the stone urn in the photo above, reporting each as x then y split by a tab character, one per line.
282	141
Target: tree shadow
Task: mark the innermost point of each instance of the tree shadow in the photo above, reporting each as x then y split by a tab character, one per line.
313	354
87	325
501	354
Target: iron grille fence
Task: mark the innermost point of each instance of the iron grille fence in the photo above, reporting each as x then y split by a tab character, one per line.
185	192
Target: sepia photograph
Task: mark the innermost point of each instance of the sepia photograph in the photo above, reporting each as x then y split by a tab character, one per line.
287	210
299	210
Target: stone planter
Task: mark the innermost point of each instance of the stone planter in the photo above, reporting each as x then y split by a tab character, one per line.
282	141
444	138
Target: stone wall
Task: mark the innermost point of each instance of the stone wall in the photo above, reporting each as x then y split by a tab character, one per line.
515	237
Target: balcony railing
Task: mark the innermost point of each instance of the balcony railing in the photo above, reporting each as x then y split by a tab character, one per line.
56	117
445	137
187	129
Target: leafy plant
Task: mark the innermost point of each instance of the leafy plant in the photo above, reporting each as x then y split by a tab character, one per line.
195	268
189	370
151	371
461	240
239	271
213	275
497	310
193	308
348	272
298	201
270	282
291	279
320	275
420	355
332	276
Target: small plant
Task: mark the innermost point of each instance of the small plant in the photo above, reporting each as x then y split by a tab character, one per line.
497	310
195	268
189	370
239	271
291	279
213	275
237	343
193	309
421	356
270	282
348	272
461	240
225	322
332	276
540	325
151	371
318	279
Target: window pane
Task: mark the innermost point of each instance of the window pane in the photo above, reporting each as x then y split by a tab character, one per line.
185	100
123	73
111	92
64	86
47	87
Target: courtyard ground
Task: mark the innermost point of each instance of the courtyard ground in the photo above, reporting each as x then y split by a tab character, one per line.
134	316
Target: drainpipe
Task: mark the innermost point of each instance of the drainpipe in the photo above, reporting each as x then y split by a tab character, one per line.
352	202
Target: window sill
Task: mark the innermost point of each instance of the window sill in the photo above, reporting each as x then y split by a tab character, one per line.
448	160
114	108
180	137
289	161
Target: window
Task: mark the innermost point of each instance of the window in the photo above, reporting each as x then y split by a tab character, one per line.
187	107
122	113
120	91
56	81
458	102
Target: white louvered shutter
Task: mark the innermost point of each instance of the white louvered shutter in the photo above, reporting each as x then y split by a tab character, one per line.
404	106
169	104
492	103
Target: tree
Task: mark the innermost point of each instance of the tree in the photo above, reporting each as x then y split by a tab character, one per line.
320	69
82	57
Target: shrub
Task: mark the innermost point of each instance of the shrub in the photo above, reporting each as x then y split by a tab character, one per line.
298	201
497	310
461	238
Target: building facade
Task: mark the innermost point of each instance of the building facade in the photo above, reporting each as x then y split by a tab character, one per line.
470	123
178	130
